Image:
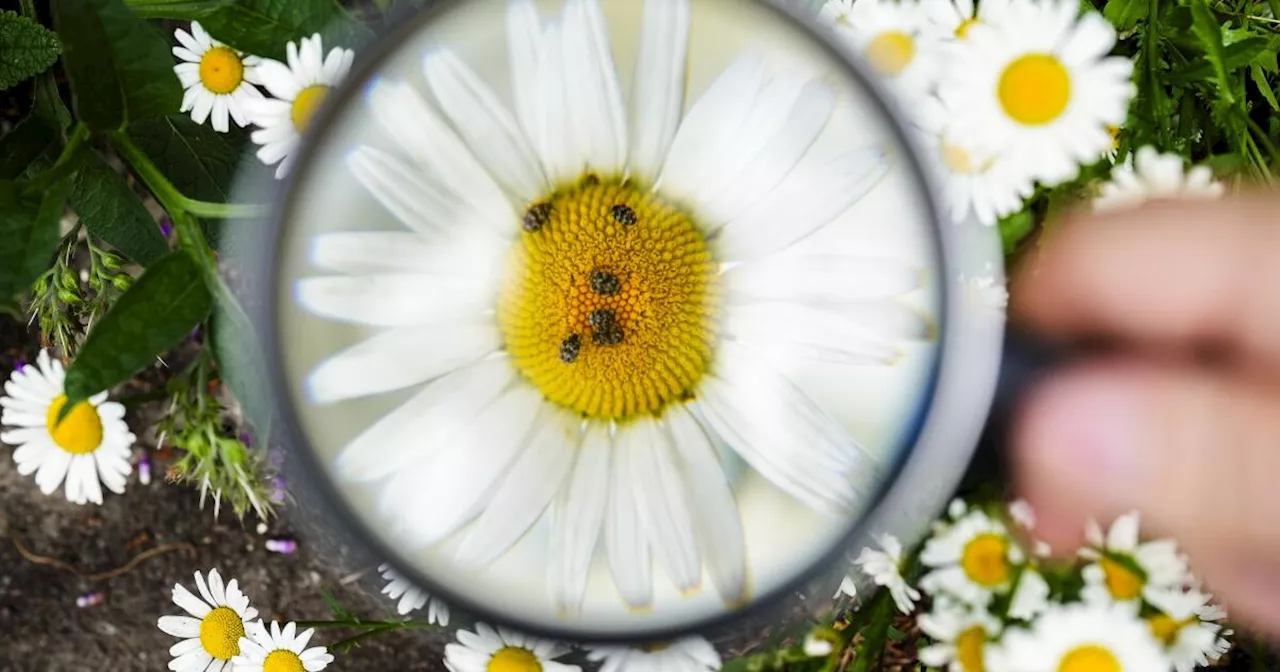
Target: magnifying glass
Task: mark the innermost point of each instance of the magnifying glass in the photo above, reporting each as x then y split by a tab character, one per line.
616	320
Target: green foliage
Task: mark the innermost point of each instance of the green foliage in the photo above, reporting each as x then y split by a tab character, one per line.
119	66
29	229
263	27
111	211
240	359
165	304
199	161
21	146
26	49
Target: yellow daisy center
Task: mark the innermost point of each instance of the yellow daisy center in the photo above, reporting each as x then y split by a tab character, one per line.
281	660
1089	658
78	433
220	633
608	303
962	30
513	659
1035	89
305	105
1165	628
969	645
221	70
985	560
891	52
1115	137
958	160
1122	582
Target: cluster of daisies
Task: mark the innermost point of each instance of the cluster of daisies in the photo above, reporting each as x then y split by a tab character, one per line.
221	86
1008	94
998	603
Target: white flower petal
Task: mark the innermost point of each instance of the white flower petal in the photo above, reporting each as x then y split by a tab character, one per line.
524	37
625	541
578	518
410	195
658	490
192	604
821	279
594	99
180	626
396	300
553	134
657	93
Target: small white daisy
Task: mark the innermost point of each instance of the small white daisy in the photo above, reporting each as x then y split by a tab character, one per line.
962	637
1030	596
1021	512
90	448
1038	89
279	650
1125	570
1190	639
885	569
816	646
1082	637
973	559
896	38
501	650
299	89
218	79
1149	175
954	18
691	654
848	588
411	598
211	635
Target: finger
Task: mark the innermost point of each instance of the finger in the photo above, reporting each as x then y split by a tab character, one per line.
1197	453
1190	273
1249	587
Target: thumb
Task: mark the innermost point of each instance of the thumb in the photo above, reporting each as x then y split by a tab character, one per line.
1196	452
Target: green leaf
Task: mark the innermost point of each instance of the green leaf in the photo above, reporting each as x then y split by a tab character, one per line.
114	213
1014	228
1234	57
1264	87
29	229
119	67
198	160
157	312
1208	31
48	104
240	360
26	49
22	145
1125	14
184	10
263	27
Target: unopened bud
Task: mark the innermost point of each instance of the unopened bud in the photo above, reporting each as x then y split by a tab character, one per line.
122	282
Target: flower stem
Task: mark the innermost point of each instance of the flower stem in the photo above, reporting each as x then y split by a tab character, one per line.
352	623
867	652
208	210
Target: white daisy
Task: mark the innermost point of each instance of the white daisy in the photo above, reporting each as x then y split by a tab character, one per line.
816	646
299	89
516	297
501	650
954	18
218	79
1149	175
973	559
211	636
1021	512
848	588
1082	637
1038	90
279	650
1030	596
896	37
89	448
885	569
411	598
1190	638
1126	570
691	654
961	637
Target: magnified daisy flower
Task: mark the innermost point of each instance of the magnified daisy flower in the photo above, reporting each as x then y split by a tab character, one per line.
502	650
211	635
586	348
88	449
896	38
1037	88
691	654
299	89
962	637
885	569
1082	637
411	598
1189	637
279	650
1149	175
1126	570
218	79
973	559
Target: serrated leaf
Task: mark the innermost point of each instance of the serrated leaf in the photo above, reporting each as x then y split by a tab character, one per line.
1234	57
22	145
1264	87
263	27
29	229
240	360
1126	14
1208	32
113	212
155	314
26	49
118	65
199	161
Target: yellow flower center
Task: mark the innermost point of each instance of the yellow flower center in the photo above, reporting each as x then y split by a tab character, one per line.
1123	582
958	160
608	303
1165	628
969	645
220	633
305	105
962	30
891	52
1115	137
221	70
78	433
985	560
1089	658
1035	89
513	659
281	660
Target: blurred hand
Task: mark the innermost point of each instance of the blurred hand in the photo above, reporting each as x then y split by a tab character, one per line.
1191	441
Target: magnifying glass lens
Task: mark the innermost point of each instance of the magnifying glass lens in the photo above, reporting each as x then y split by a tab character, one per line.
608	316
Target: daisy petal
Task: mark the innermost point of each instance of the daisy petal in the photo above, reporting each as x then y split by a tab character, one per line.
524	32
395	300
53	470
797	330
578	516
625	541
821	279
657	94
192	604
406	193
553	135
658	490
278	79
180	626
594	101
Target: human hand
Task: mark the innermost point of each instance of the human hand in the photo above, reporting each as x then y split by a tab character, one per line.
1183	425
